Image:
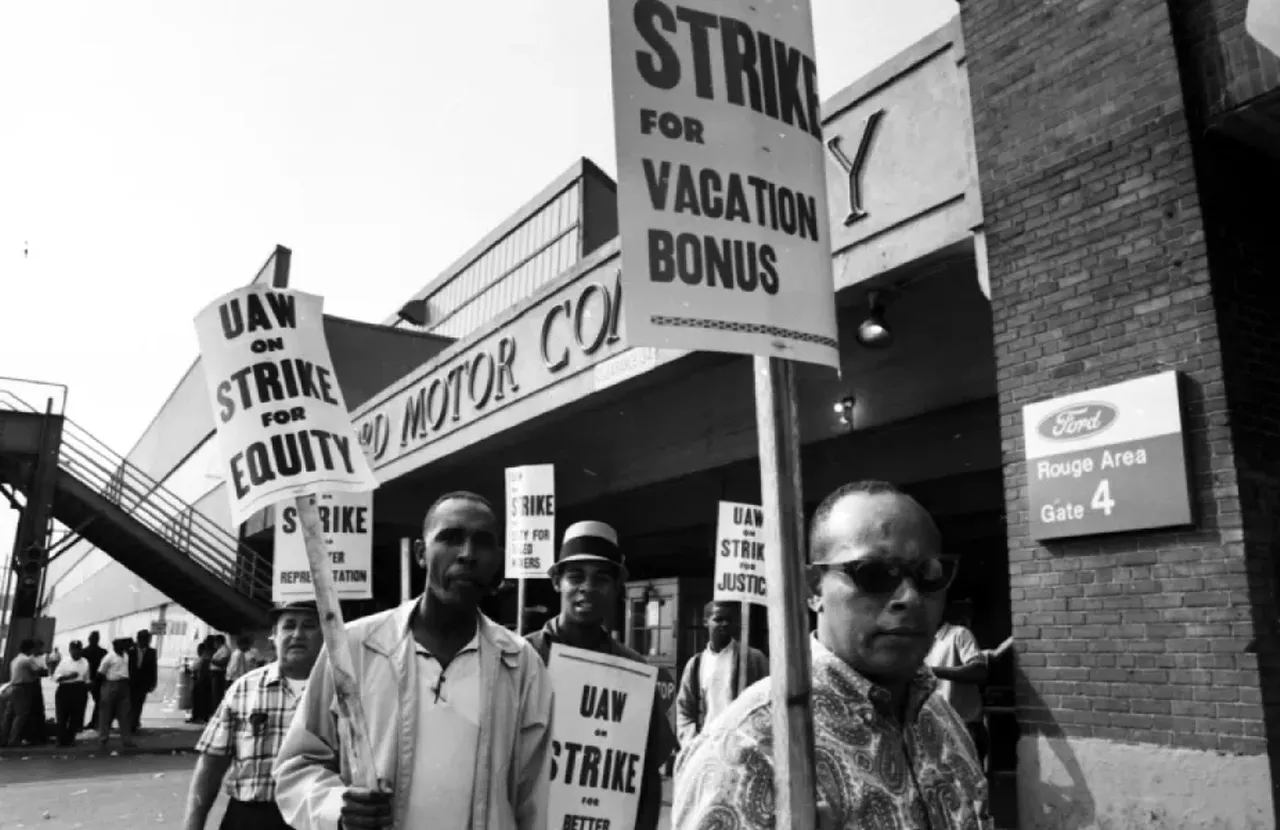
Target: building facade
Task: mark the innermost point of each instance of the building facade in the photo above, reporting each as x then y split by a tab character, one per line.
1052	199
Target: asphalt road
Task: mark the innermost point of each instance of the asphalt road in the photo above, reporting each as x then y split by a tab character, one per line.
103	793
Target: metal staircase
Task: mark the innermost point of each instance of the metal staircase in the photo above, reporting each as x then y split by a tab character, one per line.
102	498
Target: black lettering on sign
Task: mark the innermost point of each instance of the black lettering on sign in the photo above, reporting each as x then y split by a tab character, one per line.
271	381
729	263
602	704
585	765
249	314
333	518
295	577
287	455
748	516
746	583
760	72
733	197
584	823
535	505
350	576
745	549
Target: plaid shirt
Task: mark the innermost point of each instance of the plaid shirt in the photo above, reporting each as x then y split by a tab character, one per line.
249	726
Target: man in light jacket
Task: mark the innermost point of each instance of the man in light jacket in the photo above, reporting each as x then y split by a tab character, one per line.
459	709
711	679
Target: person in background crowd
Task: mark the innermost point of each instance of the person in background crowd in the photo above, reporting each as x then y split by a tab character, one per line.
25	672
961	668
69	701
201	686
238	666
712	677
144	673
895	754
37	728
94	654
240	744
218	661
52	660
459	709
114	704
588	574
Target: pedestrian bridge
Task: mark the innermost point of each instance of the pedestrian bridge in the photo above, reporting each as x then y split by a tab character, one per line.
102	498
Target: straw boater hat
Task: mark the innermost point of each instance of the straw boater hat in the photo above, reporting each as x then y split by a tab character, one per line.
590	542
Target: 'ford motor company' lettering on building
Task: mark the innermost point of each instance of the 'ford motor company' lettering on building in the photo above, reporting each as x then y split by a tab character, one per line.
1107	460
556	337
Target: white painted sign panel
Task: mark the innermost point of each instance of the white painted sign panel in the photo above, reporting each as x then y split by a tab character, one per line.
722	200
531	521
740	552
346	521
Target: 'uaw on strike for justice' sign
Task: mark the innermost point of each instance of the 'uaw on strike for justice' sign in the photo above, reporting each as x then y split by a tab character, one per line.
531	521
346	523
601	728
740	554
721	189
283	427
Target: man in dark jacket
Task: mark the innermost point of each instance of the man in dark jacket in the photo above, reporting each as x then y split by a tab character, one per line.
94	654
588	573
143	674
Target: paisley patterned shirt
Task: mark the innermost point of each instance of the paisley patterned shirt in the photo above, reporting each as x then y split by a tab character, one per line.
872	773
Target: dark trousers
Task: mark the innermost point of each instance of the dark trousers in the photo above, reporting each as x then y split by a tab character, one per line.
95	691
24	698
114	707
69	702
252	815
137	697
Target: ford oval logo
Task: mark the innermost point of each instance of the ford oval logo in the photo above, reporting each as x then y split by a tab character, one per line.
1077	421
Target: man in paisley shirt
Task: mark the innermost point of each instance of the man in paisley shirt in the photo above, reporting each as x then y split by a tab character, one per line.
890	755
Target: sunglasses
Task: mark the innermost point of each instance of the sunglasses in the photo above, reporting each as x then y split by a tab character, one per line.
882	576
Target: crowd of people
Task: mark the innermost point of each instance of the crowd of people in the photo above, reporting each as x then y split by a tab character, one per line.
460	709
117	681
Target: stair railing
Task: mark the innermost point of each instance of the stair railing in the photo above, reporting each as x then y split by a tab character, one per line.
149	503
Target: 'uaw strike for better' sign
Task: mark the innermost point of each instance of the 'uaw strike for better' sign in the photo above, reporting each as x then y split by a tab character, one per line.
740	553
346	520
283	427
602	706
1107	460
722	197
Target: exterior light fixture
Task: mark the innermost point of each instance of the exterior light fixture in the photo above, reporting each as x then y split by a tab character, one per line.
843	409
874	332
415	312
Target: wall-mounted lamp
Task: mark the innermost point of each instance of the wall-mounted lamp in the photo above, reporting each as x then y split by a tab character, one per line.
415	312
874	332
844	411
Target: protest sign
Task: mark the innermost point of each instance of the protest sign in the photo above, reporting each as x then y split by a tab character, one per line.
346	522
722	199
601	728
531	521
282	424
740	552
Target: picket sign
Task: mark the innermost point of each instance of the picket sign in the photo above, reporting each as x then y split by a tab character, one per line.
531	527
284	433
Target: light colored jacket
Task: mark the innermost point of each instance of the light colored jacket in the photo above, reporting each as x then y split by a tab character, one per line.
513	765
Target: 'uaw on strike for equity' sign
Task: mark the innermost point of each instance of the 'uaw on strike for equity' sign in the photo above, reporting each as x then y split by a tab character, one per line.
346	519
602	706
740	554
721	178
283	427
531	521
1107	460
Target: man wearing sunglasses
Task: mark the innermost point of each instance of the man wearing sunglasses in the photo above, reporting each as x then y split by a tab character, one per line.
892	754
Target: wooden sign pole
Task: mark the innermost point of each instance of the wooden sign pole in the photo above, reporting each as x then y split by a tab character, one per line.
352	721
520	607
744	645
778	427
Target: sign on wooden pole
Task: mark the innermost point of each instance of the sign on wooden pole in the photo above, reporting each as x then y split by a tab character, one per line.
726	247
531	527
285	437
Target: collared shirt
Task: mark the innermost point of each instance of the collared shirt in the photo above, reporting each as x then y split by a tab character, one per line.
953	648
237	666
871	772
448	738
114	666
77	669
249	726
715	677
24	669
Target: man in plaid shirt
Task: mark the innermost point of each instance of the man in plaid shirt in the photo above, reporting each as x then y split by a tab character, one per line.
242	739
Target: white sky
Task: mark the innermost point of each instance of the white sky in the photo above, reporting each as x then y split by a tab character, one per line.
152	154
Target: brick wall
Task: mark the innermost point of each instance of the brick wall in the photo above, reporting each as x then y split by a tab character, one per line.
1100	272
1231	67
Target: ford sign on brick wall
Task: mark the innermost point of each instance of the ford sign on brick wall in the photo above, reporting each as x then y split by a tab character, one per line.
1107	460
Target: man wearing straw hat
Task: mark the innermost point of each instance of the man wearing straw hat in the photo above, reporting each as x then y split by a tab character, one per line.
890	753
459	709
240	743
588	573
